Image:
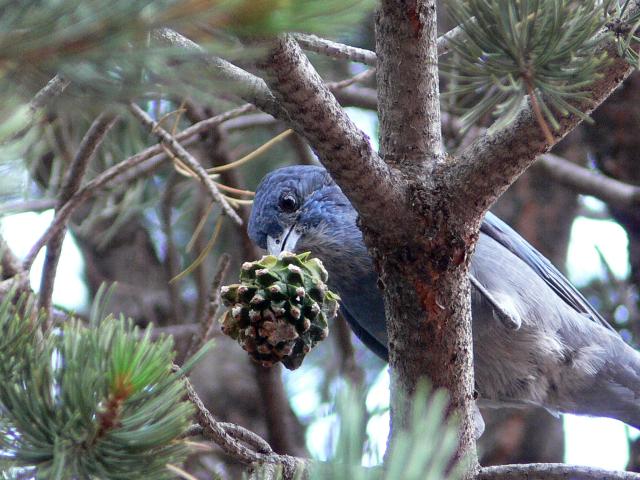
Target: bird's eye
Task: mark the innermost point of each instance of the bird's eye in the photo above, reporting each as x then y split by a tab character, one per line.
288	202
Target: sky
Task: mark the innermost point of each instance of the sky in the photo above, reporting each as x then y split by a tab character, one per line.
21	231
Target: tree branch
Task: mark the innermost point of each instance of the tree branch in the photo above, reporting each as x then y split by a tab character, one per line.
52	89
293	467
408	94
284	431
21	206
10	265
128	170
317	116
335	138
178	150
336	50
247	436
357	96
341	51
588	182
73	178
359	77
247	86
551	471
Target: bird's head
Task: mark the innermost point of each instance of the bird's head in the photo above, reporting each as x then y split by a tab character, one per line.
300	208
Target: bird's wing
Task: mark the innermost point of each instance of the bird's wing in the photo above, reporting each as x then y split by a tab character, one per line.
365	337
510	320
509	239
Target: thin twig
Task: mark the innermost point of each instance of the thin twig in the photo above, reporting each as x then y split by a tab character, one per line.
359	77
148	160
178	150
21	206
247	436
588	182
337	50
52	89
214	431
89	145
207	320
358	96
246	85
252	120
171	262
9	263
551	471
285	434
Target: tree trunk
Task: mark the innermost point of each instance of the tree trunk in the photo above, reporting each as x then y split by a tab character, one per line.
423	266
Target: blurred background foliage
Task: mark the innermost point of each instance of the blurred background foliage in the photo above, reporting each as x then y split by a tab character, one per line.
136	232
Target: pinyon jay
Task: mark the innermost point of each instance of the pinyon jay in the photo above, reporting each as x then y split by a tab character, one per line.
536	339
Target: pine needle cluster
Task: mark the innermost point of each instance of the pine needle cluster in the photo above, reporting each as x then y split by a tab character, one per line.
625	27
78	402
512	48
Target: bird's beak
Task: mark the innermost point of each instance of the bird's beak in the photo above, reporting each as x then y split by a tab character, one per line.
285	242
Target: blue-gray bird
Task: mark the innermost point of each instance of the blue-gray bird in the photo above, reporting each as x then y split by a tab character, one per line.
536	339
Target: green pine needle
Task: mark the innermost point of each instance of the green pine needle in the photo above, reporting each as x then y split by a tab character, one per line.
512	48
99	402
624	24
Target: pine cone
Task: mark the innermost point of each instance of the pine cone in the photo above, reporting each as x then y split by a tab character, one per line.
281	308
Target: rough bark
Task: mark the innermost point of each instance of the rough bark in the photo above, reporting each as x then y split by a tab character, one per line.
551	471
422	258
423	268
71	183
